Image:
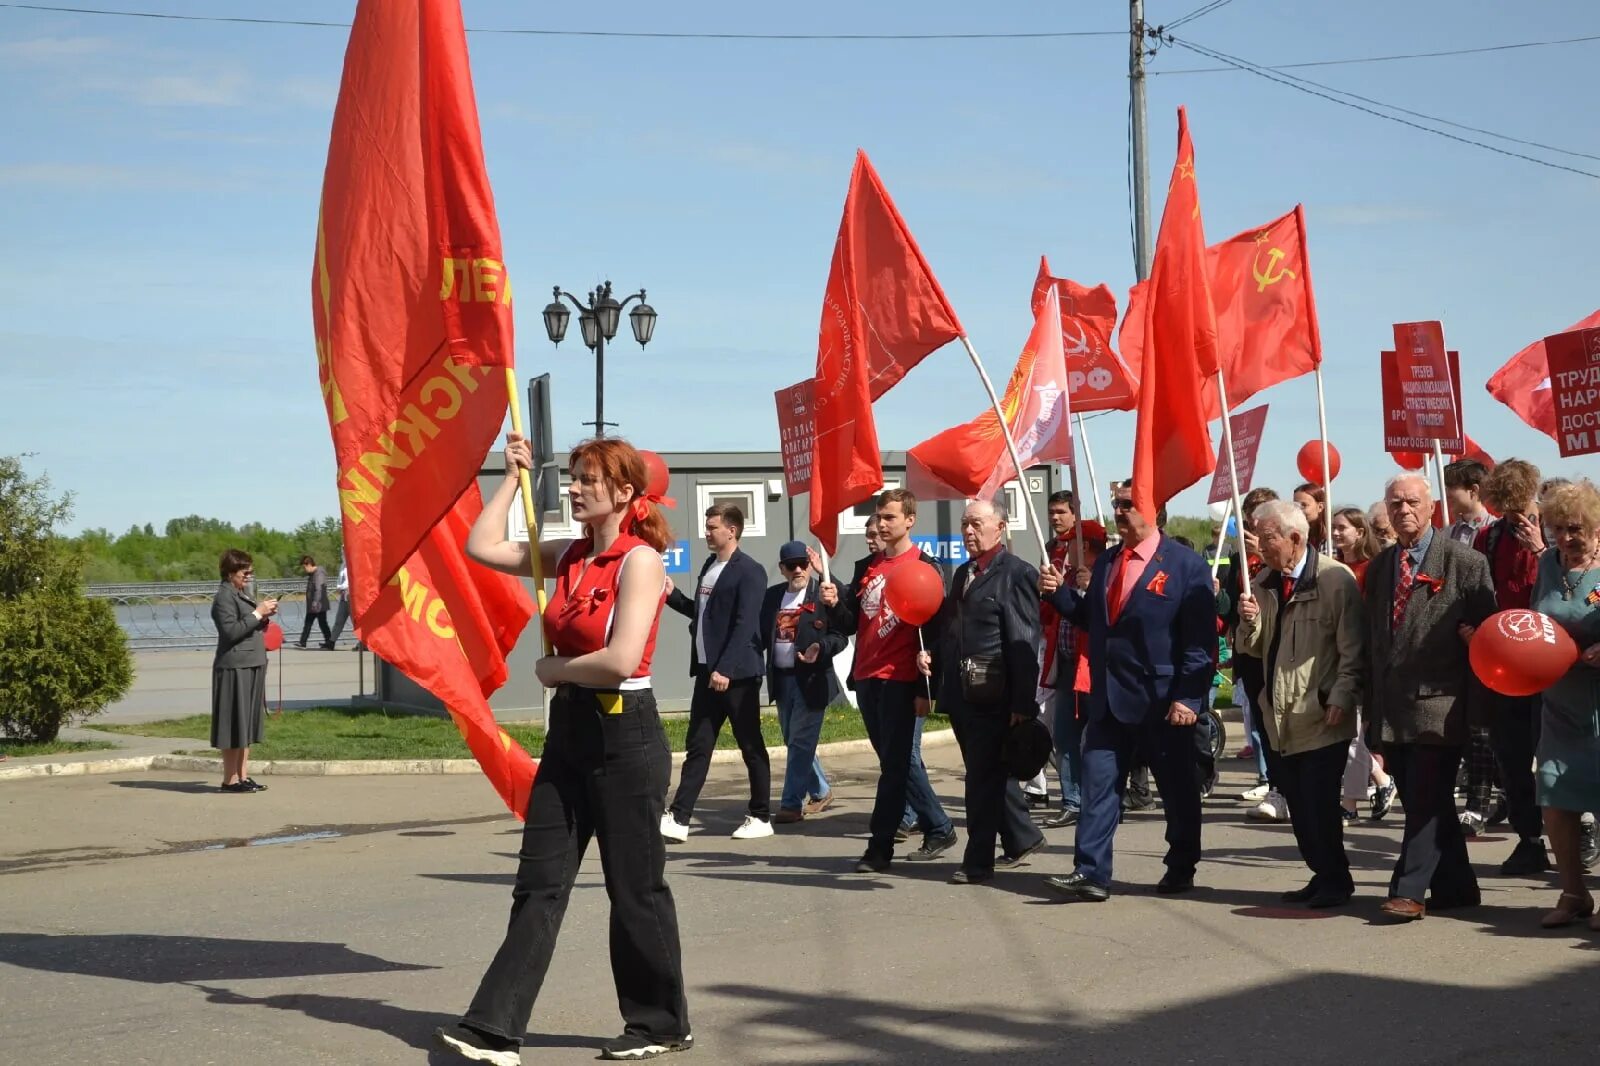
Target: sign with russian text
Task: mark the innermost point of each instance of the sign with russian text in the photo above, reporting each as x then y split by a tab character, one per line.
1429	395
952	550
796	423
1397	426
1246	428
1575	387
676	556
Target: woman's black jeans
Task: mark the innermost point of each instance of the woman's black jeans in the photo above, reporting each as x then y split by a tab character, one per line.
604	775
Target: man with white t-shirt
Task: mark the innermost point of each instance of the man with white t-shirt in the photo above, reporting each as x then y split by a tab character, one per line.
726	663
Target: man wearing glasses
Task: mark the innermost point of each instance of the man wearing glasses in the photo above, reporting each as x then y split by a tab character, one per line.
800	647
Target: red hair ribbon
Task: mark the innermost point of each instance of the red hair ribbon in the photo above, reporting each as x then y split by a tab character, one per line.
641	507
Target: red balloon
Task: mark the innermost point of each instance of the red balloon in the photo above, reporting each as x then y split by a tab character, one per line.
272	636
914	592
658	475
1521	652
1310	461
1409	460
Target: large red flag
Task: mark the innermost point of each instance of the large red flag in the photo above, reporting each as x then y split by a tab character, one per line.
1171	443
412	308
1523	384
971	461
409	293
1098	378
882	313
1266	310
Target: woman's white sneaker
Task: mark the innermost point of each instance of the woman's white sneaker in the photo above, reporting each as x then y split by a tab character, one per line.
753	829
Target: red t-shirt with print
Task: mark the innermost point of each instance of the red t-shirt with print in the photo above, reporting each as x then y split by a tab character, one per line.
886	648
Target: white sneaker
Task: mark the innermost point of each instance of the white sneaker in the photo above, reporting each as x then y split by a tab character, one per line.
752	829
1273	808
672	829
1254	795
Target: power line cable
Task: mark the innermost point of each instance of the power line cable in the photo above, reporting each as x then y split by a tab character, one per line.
1391	58
1304	86
168	16
1199	12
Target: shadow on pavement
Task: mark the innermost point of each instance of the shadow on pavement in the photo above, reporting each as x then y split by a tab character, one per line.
186	959
1329	1018
197	788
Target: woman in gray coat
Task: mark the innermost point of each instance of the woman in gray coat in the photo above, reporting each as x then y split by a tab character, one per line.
239	671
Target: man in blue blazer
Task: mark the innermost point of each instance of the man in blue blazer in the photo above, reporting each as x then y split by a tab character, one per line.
1150	613
726	662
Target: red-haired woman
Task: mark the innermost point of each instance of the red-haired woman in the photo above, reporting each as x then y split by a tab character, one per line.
605	765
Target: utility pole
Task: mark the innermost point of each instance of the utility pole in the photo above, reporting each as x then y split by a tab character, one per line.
1141	147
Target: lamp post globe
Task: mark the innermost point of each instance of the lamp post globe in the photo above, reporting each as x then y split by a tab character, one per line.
643	321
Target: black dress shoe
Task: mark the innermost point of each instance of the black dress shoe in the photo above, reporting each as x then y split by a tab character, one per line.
1527	859
1300	895
1078	887
1325	899
1065	818
965	876
255	786
872	864
1006	862
238	788
1172	884
1454	903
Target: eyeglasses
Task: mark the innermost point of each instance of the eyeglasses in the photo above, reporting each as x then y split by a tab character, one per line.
1122	505
794	565
248	573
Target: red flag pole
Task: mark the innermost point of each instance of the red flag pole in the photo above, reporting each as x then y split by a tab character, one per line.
525	480
1011	446
1233	477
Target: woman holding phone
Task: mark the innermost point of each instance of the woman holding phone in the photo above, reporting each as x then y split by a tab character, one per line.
239	671
605	766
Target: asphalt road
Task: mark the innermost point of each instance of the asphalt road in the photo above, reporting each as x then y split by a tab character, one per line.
147	919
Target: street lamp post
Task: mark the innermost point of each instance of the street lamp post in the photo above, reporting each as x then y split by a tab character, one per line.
598	319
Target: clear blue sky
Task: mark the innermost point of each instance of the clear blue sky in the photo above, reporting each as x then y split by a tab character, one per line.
160	181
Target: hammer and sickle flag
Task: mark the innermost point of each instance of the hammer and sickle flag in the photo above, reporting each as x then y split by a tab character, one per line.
411	308
1100	380
1266	311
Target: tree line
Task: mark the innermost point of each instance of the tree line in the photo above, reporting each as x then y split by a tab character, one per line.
187	549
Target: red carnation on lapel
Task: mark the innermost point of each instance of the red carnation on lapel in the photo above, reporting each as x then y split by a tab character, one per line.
1158	584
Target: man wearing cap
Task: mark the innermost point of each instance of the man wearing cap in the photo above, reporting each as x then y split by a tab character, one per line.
800	647
986	675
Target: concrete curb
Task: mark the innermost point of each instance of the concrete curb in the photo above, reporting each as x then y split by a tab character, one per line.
367	767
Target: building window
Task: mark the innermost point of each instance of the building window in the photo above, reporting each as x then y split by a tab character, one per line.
1017	506
855	520
553	525
749	496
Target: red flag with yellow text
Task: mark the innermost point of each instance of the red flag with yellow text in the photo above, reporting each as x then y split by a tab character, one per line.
971	461
883	312
412	311
1266	311
409	294
1099	379
1171	442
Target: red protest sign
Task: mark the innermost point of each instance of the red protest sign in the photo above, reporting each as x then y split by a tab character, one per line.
1575	388
796	423
1246	427
1429	385
1398	421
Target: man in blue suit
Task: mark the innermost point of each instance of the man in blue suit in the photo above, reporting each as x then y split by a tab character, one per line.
1151	617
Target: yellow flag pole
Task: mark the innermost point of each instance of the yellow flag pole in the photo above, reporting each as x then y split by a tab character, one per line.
525	479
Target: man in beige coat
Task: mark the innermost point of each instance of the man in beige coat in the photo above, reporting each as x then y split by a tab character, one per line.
1305	623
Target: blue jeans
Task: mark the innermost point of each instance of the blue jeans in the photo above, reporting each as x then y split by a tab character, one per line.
1068	733
801	726
1254	734
888	711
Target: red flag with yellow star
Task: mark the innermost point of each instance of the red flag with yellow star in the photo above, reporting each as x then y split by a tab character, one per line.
1171	442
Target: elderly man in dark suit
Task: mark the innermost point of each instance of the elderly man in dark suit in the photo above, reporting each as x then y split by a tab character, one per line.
1150	611
726	663
987	671
1423	599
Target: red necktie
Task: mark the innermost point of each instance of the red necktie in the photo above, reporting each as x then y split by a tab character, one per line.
1288	589
1114	593
1402	589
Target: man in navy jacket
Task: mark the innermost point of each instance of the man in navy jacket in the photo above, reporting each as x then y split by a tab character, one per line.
725	660
1150	613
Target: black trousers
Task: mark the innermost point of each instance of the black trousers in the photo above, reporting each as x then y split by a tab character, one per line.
321	619
602	776
1433	851
1482	774
740	706
995	805
1312	783
1514	735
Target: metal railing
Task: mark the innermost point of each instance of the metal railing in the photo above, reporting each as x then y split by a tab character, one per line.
177	614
